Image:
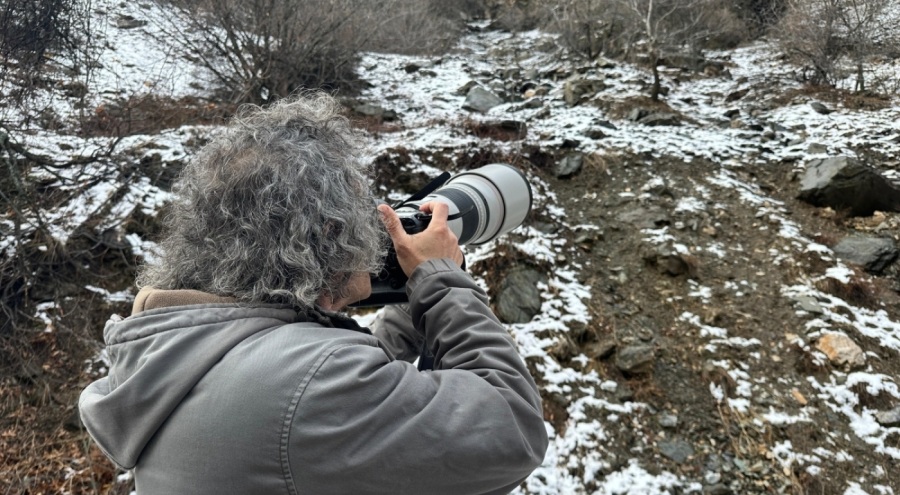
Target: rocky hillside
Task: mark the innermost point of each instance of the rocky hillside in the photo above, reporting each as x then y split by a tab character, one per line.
694	326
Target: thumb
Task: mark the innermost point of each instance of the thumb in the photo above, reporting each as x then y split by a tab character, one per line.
391	221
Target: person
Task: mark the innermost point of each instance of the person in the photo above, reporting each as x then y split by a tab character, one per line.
238	372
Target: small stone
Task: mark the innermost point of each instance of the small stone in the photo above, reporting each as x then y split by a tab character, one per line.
668	420
660	119
808	304
676	450
712	478
481	100
129	22
736	95
635	358
816	149
841	350
602	349
888	418
820	108
595	133
624	393
569	165
532	104
370	110
607	124
717	489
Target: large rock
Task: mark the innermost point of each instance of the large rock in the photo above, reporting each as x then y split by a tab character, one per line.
635	358
519	299
129	22
841	350
501	130
677	450
847	185
578	87
372	110
481	100
660	118
647	117
645	217
888	418
569	165
872	253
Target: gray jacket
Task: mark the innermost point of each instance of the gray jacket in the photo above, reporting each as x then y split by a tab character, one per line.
225	398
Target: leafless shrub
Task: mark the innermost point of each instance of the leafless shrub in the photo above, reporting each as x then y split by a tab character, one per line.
668	27
31	31
650	31
415	27
518	15
724	26
594	27
819	34
758	15
459	9
149	113
859	290
262	50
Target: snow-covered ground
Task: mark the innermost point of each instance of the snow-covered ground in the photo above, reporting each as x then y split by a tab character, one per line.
432	119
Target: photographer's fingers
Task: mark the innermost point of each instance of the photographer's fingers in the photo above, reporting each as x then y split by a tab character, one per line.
392	223
439	211
435	242
441	231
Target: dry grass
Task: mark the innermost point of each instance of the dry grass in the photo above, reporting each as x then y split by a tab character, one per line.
858	291
42	444
148	114
827	94
503	130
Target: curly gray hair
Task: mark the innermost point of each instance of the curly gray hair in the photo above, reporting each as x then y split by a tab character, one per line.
276	209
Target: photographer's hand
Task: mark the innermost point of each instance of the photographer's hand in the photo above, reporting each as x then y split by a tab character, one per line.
437	241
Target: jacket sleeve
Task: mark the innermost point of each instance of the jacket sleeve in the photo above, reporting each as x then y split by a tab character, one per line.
365	423
394	329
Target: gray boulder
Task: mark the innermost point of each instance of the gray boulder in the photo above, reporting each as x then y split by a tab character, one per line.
889	418
843	183
501	130
569	165
872	253
635	358
646	117
820	108
372	110
129	22
677	450
519	299
578	87
644	217
481	100
660	118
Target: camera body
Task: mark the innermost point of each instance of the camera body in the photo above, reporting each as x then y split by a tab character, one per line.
484	204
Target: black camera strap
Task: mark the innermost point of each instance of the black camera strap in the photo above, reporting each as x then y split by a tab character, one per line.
425	191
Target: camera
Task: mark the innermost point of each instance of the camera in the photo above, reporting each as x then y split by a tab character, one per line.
484	204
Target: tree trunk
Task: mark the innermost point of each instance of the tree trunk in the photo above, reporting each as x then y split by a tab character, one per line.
654	92
860	78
